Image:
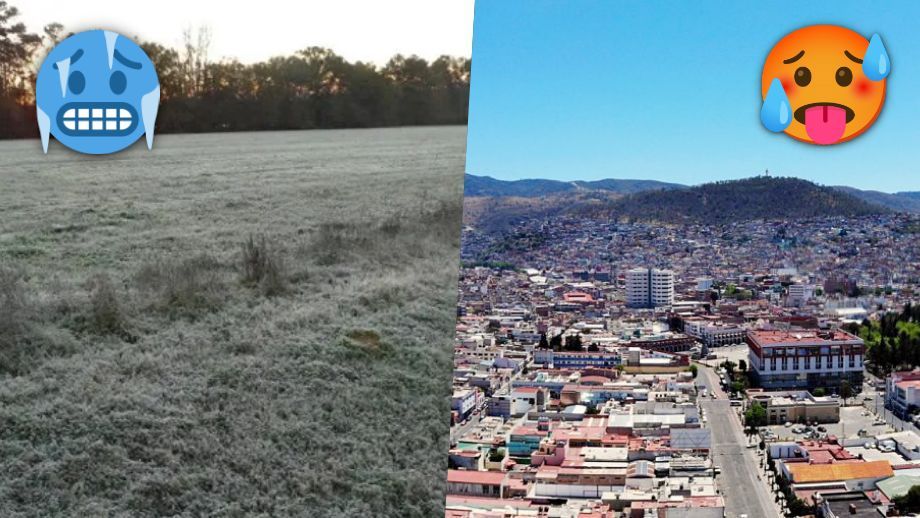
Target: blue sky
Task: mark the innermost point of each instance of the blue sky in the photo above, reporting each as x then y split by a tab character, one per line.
670	91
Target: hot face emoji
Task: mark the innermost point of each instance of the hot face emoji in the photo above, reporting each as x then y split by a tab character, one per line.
97	92
824	84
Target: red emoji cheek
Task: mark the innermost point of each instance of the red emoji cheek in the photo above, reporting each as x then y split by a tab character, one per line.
864	87
788	85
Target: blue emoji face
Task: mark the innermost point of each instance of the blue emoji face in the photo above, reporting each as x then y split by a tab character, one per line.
97	93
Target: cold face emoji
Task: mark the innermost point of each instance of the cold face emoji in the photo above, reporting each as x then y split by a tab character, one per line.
824	84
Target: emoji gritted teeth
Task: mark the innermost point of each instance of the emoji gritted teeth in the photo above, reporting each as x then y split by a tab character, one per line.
824	84
96	92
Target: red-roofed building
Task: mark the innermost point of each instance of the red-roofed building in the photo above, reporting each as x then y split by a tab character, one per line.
476	483
902	391
578	297
782	359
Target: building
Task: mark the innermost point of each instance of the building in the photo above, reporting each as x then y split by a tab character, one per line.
852	504
902	392
797	406
665	343
649	288
800	294
704	283
714	335
576	360
463	402
475	483
805	359
860	476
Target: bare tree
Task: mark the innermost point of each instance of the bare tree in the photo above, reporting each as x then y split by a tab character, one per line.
195	62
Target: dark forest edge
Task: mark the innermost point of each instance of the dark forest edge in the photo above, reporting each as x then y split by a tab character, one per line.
312	89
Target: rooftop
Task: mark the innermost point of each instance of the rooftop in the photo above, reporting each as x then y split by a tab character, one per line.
807	473
459	476
798	337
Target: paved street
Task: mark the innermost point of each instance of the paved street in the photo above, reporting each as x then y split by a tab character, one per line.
745	492
877	405
459	430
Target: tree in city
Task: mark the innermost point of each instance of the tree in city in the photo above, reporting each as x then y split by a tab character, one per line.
818	392
909	502
544	344
846	391
737	387
676	324
496	454
694	370
892	341
798	507
742	366
754	417
573	342
555	342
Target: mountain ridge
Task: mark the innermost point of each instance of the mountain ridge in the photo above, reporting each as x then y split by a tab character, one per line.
475	185
755	198
759	197
480	185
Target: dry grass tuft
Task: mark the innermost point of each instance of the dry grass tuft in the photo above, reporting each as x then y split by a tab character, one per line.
182	288
262	266
365	338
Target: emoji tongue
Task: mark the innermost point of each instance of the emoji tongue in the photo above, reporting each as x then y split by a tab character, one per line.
825	124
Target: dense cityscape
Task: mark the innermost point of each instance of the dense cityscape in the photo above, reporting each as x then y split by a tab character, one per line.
614	368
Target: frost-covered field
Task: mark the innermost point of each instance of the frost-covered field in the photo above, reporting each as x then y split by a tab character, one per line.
248	324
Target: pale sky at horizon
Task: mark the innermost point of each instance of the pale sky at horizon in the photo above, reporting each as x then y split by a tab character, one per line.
357	30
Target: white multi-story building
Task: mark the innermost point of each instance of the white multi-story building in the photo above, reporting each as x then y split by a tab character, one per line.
799	294
805	358
463	401
902	392
649	288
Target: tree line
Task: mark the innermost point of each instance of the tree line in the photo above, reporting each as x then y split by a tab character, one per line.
572	343
893	341
311	89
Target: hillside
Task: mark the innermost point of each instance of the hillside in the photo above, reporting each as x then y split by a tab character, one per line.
535	188
899	201
760	197
495	213
914	195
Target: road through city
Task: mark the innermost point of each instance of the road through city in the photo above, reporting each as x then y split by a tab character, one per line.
744	490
